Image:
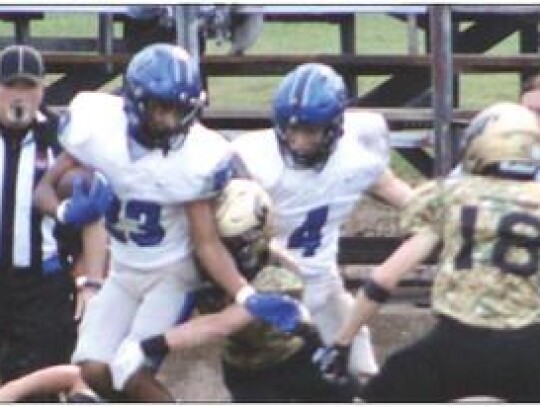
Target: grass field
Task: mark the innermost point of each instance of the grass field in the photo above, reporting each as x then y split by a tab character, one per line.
375	34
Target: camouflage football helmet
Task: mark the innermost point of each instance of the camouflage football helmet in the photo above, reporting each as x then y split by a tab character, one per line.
502	133
242	213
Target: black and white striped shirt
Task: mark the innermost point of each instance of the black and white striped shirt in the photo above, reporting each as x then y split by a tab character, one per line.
26	236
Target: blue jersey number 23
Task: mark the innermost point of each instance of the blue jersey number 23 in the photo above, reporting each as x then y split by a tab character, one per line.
141	223
308	235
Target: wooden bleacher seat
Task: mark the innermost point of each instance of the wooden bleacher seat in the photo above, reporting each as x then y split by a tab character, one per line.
267	65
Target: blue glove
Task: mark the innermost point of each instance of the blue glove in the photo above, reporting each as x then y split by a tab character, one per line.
332	362
86	205
278	310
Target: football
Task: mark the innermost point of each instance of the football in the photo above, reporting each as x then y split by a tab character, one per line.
64	187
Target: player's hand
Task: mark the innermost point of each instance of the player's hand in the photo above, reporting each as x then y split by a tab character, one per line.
332	361
86	205
128	360
281	311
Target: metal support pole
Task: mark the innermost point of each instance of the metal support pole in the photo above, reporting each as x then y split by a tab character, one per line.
528	43
412	35
187	29
22	30
106	37
441	79
347	36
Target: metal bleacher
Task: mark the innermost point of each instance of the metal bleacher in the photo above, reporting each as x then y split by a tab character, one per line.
421	92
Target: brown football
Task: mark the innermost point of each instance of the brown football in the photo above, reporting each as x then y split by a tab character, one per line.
65	184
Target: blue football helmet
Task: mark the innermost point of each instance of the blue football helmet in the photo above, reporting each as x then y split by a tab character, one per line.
162	76
312	95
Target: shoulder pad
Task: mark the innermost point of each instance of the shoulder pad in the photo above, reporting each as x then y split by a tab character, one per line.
217	167
370	131
259	152
87	112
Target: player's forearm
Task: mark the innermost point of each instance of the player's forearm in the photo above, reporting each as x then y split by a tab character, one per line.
46	196
208	328
383	282
392	190
215	258
367	303
361	314
95	250
49	380
219	264
283	257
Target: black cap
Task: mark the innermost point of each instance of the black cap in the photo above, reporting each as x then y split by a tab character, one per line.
21	62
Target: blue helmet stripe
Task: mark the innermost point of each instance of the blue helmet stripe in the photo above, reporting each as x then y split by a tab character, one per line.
181	71
299	88
308	88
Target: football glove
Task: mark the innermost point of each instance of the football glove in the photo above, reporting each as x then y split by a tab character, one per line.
332	362
86	205
281	311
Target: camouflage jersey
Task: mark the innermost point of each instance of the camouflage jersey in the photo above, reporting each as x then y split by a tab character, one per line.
258	345
489	267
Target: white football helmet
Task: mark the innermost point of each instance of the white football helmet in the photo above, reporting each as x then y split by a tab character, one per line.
503	132
242	214
243	206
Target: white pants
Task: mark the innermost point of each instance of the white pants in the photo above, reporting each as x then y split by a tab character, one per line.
328	302
135	304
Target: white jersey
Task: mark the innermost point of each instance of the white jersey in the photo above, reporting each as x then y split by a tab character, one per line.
309	207
147	220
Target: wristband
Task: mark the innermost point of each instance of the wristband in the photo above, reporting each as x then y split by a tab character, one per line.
61	211
85	282
243	294
155	345
375	292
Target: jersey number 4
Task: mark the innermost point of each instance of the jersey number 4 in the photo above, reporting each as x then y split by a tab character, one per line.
140	223
308	235
508	238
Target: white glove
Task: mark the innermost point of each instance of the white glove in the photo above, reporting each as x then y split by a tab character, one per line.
128	359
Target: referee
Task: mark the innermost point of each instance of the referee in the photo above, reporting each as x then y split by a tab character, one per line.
36	290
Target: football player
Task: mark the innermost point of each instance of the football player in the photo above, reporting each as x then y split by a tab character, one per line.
259	363
318	162
485	294
163	168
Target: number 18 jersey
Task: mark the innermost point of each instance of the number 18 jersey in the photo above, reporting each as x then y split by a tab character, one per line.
489	267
